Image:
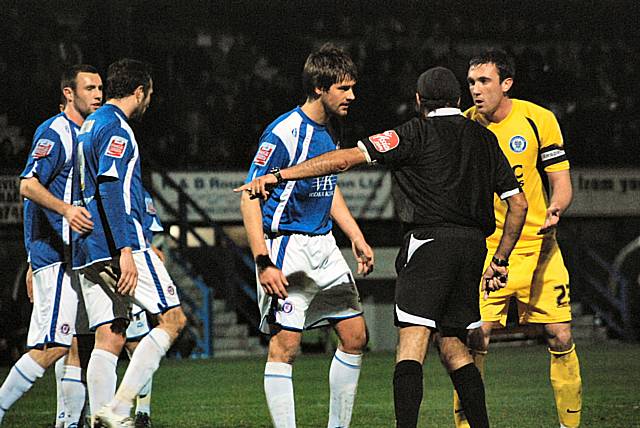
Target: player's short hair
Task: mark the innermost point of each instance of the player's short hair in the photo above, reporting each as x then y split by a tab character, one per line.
68	78
125	75
326	66
503	62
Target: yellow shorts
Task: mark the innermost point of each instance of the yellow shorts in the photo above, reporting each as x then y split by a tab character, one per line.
540	283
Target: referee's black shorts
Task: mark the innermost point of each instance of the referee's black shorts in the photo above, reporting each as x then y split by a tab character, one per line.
439	271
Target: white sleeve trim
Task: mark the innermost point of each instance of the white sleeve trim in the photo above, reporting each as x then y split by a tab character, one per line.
364	150
510	193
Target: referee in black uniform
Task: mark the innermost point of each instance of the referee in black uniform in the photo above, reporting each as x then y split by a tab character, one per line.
445	171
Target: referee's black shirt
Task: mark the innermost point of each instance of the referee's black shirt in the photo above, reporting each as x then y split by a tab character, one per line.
445	170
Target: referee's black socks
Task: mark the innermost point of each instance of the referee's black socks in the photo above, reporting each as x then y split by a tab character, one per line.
407	392
470	389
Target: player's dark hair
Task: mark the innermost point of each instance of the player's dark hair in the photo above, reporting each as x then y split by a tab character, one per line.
503	62
326	66
68	78
125	75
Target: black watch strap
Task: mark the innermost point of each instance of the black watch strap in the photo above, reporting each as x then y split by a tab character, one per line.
263	261
276	173
500	262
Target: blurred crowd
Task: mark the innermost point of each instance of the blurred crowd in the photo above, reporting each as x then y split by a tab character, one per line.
225	70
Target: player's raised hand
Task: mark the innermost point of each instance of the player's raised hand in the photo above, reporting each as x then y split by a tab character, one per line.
128	273
273	282
364	256
29	283
493	279
551	221
259	187
79	219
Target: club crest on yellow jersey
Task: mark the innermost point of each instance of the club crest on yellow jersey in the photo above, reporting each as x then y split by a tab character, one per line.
518	144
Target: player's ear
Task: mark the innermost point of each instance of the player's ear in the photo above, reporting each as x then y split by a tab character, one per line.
418	100
506	84
67	92
139	93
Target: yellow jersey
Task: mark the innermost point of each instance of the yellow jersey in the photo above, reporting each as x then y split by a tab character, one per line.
529	137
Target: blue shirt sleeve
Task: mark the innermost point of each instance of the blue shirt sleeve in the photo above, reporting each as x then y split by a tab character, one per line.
46	157
271	154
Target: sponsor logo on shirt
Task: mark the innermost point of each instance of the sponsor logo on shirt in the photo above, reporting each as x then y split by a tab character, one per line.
551	154
42	149
116	147
518	144
386	141
64	329
264	153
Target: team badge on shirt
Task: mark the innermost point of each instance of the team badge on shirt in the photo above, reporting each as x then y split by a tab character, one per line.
42	149
116	147
386	141
264	153
518	144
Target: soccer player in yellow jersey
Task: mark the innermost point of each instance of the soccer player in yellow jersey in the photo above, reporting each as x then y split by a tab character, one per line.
530	137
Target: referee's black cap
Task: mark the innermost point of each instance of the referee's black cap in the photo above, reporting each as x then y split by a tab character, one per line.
438	84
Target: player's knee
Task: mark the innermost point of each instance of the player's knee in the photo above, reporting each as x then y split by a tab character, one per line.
119	326
355	342
559	339
478	340
174	321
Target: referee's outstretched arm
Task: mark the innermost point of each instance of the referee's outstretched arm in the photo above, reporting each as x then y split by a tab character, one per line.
332	162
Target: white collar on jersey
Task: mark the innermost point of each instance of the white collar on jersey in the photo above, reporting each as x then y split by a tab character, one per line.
444	111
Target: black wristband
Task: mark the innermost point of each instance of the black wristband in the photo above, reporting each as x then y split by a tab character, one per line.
276	173
263	261
500	262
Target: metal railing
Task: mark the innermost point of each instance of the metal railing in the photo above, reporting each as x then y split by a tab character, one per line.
229	248
604	289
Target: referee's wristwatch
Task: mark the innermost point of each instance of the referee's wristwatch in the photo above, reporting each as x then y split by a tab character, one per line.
500	262
276	173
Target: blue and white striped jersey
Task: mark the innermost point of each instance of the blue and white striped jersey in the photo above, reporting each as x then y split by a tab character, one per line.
301	206
110	187
46	232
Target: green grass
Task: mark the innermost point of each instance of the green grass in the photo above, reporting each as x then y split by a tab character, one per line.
228	393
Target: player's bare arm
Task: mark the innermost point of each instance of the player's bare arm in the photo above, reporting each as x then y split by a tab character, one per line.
271	278
495	277
78	217
332	162
361	250
128	272
561	196
29	282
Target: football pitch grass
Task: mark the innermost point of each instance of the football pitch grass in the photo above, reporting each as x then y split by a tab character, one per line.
228	392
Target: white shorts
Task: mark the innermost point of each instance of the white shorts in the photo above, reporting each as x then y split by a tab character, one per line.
321	286
138	324
55	303
155	291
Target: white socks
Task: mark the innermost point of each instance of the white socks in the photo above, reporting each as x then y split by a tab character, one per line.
143	364
20	379
59	369
343	383
278	388
74	394
143	402
101	378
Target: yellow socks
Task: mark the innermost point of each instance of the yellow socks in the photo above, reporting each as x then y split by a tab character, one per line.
459	417
567	386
